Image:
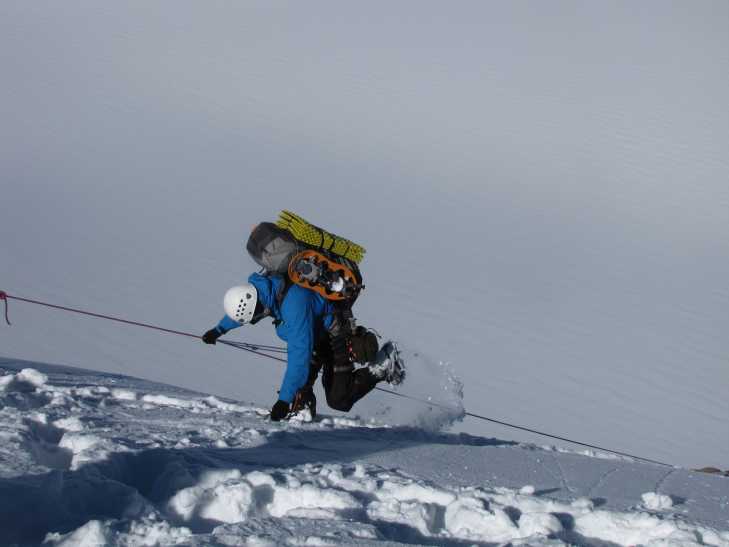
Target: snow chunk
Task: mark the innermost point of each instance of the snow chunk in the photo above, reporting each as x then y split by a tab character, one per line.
25	381
539	524
632	529
88	448
123	394
527	490
90	392
583	504
597	454
147	532
416	491
32	376
257	541
216	403
273	532
359	481
189	502
78	443
308	501
71	423
656	501
91	534
259	478
411	513
164	400
5	381
467	518
229	502
341	422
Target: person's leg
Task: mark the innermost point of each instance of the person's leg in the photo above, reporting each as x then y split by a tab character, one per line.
362	383
305	397
314	368
337	382
344	385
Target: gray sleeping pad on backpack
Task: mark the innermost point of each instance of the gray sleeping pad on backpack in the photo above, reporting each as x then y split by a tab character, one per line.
272	247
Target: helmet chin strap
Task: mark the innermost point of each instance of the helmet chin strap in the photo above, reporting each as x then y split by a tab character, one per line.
260	313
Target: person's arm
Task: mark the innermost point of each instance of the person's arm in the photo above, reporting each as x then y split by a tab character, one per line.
224	325
227	324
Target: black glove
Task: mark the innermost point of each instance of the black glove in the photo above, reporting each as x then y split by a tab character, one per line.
211	336
279	411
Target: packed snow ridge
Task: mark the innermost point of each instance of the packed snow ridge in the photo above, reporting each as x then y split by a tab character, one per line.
97	459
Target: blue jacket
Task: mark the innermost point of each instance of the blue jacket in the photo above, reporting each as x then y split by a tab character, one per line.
303	315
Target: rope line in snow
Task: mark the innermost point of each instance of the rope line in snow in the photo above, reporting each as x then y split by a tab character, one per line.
266	350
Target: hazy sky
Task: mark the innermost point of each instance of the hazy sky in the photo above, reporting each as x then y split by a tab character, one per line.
543	190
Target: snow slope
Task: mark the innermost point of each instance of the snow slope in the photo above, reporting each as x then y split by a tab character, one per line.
92	458
541	187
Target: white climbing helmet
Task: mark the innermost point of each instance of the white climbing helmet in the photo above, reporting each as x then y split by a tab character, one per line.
240	303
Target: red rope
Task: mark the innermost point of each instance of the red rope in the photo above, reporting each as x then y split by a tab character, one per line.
100	315
4	298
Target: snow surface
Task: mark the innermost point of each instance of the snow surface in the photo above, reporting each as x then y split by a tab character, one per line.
541	187
91	458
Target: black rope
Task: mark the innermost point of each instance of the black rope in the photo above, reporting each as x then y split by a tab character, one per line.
514	426
251	349
260	347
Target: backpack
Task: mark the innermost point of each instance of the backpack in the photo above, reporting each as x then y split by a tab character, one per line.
272	248
309	256
312	257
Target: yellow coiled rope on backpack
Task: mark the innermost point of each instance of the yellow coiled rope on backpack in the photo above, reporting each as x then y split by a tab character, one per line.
317	237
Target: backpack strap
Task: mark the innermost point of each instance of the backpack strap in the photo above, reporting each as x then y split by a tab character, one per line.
280	295
340	335
282	290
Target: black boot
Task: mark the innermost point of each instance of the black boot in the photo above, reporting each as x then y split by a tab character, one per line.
305	399
389	365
